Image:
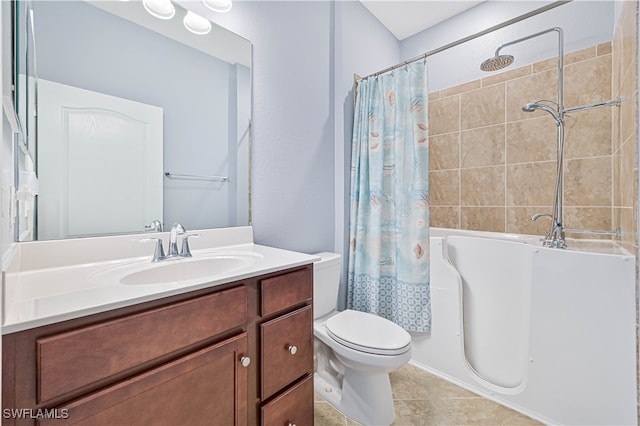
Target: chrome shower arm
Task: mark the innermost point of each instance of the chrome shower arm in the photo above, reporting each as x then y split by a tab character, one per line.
560	59
530	36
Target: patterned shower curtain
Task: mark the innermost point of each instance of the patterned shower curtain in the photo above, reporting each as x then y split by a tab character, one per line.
388	272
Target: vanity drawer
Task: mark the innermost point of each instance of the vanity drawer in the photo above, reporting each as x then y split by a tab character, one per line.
287	350
208	387
74	359
286	290
293	406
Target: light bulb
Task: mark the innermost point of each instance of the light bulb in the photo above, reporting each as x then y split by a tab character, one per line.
161	9
218	5
196	23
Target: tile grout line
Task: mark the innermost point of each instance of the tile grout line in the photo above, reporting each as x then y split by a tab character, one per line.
521	163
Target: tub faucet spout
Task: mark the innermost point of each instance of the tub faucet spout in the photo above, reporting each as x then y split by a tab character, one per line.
555	236
539	215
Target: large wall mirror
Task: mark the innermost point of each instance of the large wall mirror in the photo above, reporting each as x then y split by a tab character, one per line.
140	123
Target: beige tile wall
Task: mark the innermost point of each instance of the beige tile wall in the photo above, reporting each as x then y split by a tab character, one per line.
624	137
492	165
624	83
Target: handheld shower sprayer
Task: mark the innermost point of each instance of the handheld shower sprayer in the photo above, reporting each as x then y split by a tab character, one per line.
532	106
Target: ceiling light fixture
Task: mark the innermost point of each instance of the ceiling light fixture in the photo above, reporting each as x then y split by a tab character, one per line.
218	5
196	23
161	9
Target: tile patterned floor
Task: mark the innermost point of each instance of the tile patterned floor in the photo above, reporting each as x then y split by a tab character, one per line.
422	399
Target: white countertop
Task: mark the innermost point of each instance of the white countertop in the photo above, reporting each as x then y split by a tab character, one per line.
40	293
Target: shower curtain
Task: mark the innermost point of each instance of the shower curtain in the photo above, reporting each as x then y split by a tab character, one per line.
388	272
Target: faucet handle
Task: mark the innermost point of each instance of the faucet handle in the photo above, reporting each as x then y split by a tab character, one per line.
185	251
158	254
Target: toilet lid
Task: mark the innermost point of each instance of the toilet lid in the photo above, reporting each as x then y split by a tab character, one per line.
369	333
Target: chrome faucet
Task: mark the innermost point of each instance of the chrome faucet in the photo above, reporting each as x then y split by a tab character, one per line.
176	230
156	226
555	237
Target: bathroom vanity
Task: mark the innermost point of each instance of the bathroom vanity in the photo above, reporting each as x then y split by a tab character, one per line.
236	349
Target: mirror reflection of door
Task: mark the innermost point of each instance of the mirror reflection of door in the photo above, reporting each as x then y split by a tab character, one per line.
87	142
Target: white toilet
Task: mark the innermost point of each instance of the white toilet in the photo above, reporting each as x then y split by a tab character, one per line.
355	351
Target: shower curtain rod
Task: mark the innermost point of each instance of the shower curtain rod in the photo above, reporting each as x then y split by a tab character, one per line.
469	38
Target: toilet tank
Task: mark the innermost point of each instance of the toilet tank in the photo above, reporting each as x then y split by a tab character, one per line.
326	282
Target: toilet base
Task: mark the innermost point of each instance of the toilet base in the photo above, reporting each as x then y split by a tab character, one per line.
364	398
356	383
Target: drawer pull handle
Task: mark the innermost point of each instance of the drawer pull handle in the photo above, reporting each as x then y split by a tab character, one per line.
292	350
245	361
291	424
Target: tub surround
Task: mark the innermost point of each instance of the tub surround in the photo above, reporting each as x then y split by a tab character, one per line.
492	166
53	281
624	84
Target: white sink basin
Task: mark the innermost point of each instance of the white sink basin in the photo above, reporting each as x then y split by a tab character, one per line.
196	268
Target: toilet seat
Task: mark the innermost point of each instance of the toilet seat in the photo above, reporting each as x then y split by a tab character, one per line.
368	333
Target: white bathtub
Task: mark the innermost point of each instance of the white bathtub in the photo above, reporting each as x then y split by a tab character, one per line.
548	332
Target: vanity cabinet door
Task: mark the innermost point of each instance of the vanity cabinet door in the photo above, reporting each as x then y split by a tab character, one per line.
287	350
208	387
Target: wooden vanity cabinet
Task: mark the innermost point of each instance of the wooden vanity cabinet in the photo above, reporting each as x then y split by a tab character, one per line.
286	351
205	357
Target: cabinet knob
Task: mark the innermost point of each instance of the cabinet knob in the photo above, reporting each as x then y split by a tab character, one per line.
245	361
292	350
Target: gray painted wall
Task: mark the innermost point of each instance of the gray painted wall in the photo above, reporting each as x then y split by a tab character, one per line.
293	152
585	23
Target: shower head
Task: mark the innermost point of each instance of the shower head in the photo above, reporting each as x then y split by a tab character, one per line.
502	61
532	106
496	63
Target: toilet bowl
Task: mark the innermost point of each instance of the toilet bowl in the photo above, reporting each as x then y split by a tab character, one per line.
355	351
